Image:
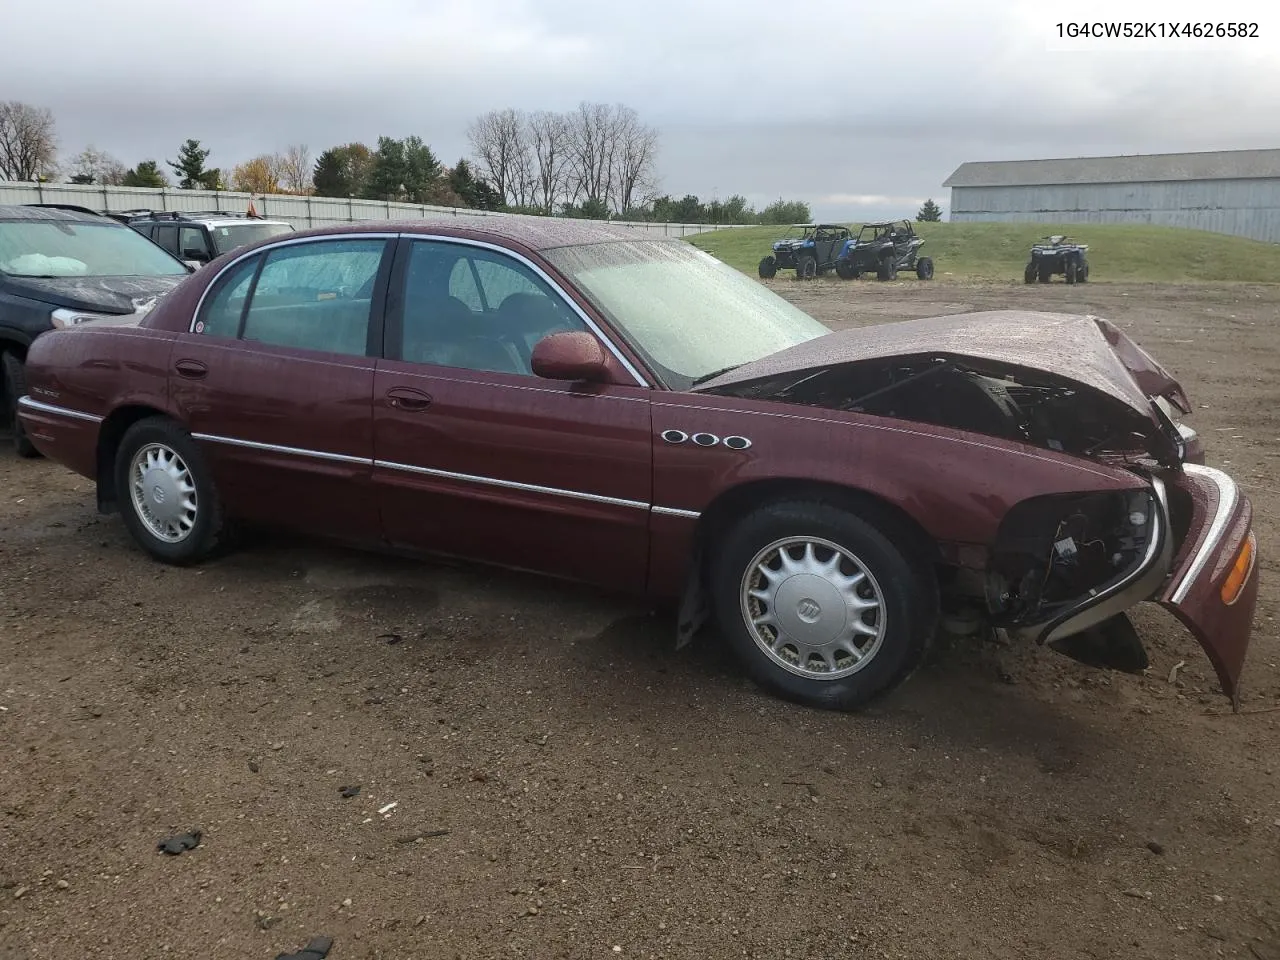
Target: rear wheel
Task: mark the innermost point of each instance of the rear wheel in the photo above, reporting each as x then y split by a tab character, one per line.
15	386
1082	274
1045	274
820	605
806	267
166	493
887	269
768	268
1069	271
924	268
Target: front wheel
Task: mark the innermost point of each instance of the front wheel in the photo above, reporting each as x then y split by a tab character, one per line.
846	270
15	386
768	268
819	604
1029	274
1082	274
924	268
166	493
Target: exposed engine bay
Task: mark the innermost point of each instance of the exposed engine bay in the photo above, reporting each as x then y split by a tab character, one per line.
1052	552
997	400
1055	556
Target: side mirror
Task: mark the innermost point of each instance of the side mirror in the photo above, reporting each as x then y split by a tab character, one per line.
576	356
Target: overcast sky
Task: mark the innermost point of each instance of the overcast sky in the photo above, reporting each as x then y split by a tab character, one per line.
862	109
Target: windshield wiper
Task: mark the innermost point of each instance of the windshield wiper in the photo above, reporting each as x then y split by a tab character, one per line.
715	373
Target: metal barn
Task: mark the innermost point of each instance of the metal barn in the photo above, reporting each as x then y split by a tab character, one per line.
1229	191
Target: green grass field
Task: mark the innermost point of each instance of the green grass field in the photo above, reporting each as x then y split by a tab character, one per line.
999	251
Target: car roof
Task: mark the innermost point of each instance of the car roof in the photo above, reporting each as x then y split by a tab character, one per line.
535	233
210	217
19	211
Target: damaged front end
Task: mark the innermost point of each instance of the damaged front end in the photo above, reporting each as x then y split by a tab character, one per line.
1063	569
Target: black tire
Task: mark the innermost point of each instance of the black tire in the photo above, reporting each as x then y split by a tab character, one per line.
887	269
206	533
1069	271
1029	275
768	268
15	386
846	270
924	268
1083	273
1046	273
906	585
806	267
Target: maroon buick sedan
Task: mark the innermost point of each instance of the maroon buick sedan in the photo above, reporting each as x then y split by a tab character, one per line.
573	399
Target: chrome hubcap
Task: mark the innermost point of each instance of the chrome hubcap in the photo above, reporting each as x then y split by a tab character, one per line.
163	493
813	608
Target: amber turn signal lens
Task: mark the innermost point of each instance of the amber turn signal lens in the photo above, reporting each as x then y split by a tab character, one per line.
1240	571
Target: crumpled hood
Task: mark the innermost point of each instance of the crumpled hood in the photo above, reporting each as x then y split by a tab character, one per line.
1089	350
113	295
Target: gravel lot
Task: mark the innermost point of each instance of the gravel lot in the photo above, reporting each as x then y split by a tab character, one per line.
604	796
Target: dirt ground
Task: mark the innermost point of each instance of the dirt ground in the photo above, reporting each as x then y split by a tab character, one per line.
602	795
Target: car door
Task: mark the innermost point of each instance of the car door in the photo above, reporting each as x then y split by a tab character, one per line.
477	457
193	244
275	380
167	236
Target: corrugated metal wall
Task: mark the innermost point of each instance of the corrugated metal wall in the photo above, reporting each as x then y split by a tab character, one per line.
302	212
1244	208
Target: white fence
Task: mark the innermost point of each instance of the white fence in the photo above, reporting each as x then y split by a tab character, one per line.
302	212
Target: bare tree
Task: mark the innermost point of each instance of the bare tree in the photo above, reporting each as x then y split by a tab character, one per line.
634	156
501	152
295	169
591	149
92	165
549	145
28	146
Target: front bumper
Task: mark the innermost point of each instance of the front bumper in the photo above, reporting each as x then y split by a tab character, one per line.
1206	576
1219	536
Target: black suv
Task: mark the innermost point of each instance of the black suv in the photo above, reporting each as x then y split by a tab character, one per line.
61	266
200	236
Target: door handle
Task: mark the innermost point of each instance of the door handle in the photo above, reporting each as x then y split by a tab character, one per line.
191	369
406	398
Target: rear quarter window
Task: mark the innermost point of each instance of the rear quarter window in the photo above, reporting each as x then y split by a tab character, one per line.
220	316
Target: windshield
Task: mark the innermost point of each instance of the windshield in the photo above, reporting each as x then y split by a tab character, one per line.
63	248
238	234
688	314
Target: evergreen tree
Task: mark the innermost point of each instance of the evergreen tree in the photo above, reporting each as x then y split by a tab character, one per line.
146	174
330	175
929	213
474	192
189	166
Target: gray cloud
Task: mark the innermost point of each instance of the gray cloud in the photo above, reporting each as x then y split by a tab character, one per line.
863	116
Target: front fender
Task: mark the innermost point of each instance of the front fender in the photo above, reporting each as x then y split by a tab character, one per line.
956	486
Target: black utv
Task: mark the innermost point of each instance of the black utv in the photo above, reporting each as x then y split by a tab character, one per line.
884	249
1057	255
811	253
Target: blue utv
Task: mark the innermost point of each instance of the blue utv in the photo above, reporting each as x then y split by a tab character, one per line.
811	252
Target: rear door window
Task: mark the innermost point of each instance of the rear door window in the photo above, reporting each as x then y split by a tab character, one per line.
316	296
